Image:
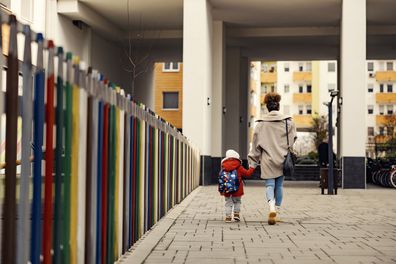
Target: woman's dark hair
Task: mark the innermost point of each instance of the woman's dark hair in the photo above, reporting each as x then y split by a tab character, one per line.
272	101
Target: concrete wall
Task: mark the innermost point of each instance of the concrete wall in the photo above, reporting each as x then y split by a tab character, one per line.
232	101
106	56
144	84
236	102
92	48
243	111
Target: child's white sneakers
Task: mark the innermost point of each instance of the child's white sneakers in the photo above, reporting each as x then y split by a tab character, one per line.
237	217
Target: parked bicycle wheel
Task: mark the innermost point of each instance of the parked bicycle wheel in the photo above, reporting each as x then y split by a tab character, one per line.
383	179
392	178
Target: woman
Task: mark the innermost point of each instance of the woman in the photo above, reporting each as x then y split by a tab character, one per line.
269	148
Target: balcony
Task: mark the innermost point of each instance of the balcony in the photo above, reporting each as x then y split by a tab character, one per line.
303	121
385	98
381	139
268	77
382	120
304	98
385	76
302	76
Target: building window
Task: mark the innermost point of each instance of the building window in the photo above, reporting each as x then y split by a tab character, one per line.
331	67
273	88
382	131
286	109
287	88
309	109
300	89
331	86
381	65
171	67
370	87
309	66
300	67
389	109
264	67
389	88
170	100
381	88
370	109
370	66
287	67
272	68
389	66
381	109
300	109
370	131
264	89
309	88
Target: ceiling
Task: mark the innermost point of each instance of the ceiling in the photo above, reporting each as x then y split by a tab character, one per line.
381	12
144	14
275	13
168	14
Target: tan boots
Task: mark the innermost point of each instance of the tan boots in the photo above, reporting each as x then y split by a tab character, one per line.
272	213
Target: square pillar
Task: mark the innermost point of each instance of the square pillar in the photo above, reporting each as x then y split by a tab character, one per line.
218	89
353	92
218	94
232	99
197	79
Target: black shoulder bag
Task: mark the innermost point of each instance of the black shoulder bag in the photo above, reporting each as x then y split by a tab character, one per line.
290	158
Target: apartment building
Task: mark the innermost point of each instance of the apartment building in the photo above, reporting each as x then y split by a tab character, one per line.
381	97
168	92
304	87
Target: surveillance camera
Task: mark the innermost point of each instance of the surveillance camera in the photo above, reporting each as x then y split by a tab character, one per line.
334	93
331	90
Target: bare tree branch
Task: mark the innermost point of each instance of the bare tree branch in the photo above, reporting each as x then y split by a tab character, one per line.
138	51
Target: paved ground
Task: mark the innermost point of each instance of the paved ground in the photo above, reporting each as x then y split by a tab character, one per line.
356	226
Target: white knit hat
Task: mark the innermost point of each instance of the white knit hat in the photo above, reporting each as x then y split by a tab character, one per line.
231	154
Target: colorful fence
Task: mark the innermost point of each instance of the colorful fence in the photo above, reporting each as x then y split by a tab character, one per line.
109	167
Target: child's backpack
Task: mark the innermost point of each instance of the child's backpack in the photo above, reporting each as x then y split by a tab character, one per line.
228	181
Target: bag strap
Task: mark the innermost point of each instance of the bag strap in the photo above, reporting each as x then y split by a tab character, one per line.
287	134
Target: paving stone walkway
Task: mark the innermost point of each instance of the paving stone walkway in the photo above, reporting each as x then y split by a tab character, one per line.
356	226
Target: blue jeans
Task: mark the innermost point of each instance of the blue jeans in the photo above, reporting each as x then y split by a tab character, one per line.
274	189
232	202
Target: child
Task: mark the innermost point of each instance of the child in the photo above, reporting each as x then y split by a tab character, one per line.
229	163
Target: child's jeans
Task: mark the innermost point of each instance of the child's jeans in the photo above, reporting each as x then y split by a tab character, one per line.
230	202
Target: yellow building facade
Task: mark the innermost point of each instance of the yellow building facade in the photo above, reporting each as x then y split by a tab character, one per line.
168	92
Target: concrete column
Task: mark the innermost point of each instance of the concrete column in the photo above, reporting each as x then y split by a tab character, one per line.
353	89
218	92
243	111
197	79
233	102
